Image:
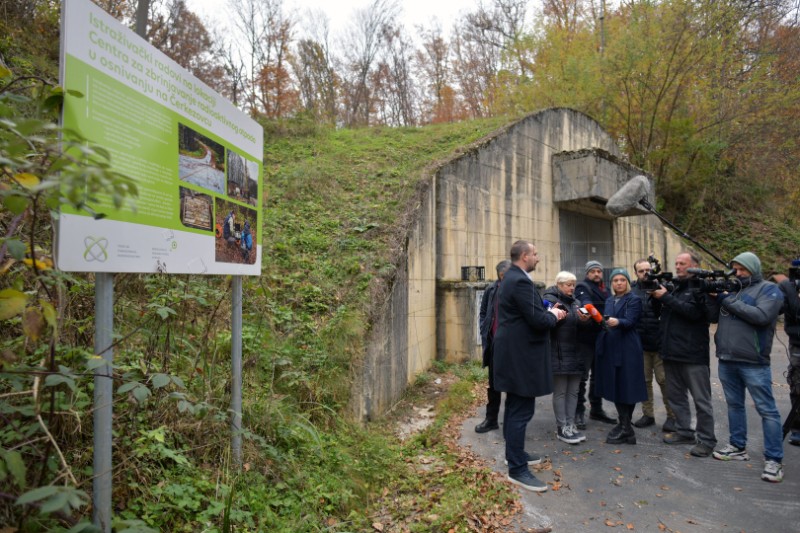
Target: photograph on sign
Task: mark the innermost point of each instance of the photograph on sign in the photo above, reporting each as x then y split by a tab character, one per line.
194	157
235	233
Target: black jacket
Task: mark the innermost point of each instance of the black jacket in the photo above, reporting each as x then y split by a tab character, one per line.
791	312
522	342
563	339
589	292
487	320
685	316
649	325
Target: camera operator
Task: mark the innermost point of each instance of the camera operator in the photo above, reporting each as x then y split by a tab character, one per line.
791	317
649	330
744	341
686	313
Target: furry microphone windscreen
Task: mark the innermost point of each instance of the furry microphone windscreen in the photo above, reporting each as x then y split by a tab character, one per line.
625	199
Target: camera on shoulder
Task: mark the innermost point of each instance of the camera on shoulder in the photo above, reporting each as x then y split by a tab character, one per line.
794	273
656	278
714	281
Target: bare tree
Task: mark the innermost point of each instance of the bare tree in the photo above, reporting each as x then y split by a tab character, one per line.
181	35
361	50
392	80
316	79
433	68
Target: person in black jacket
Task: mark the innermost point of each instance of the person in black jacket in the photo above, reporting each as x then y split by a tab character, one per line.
593	291
488	326
567	363
522	366
685	317
649	331
791	318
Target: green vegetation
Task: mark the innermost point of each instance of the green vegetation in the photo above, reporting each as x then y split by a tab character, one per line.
337	205
336	200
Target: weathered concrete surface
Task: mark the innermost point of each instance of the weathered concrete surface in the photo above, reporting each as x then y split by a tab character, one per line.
653	485
469	212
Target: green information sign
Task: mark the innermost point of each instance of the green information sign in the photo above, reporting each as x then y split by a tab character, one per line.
196	159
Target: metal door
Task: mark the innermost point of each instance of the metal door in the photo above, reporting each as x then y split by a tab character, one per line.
585	238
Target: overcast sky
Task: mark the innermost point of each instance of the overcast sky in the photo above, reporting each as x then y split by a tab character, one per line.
341	12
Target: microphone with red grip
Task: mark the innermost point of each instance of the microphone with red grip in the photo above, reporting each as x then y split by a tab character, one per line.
596	315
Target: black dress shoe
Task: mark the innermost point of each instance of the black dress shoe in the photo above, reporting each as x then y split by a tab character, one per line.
580	421
602	417
486	426
669	426
645	421
677	438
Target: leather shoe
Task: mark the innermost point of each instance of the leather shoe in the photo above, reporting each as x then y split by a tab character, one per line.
602	417
669	426
580	421
645	421
677	438
701	450
486	426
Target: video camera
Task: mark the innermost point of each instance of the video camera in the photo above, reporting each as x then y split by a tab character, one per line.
655	278
794	273
714	281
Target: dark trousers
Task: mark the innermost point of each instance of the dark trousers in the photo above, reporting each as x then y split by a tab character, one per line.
596	402
493	396
684	379
518	412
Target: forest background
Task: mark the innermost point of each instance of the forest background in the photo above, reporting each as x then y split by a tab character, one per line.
703	95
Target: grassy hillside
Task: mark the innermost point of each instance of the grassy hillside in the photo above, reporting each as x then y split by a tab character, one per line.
337	205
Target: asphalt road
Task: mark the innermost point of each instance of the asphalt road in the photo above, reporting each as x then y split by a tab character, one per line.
652	486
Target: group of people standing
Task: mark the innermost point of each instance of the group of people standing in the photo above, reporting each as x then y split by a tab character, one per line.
584	339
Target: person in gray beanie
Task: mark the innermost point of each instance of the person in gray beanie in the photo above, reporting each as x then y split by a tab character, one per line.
744	341
593	291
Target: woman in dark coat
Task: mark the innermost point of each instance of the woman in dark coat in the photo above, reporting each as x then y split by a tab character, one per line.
568	365
620	363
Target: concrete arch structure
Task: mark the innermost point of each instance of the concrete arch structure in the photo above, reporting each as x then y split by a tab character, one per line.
513	185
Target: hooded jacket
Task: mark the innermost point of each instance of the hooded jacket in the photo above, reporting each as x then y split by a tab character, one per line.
747	322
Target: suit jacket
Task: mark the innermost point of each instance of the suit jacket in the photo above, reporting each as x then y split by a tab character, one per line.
521	345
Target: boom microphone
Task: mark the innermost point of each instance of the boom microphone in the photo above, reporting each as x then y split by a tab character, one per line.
624	201
634	193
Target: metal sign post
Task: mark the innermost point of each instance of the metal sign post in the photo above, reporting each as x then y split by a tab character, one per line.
103	400
236	370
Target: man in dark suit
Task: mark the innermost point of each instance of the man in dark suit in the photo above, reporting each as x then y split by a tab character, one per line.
488	322
522	367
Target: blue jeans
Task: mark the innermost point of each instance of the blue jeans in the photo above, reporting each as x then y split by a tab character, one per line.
518	412
757	380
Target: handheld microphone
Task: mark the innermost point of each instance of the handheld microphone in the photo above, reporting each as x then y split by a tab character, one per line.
596	315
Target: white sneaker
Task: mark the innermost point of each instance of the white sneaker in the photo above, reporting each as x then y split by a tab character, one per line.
773	471
577	434
729	452
565	434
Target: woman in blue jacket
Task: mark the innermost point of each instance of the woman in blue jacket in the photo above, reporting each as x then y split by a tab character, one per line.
620	364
